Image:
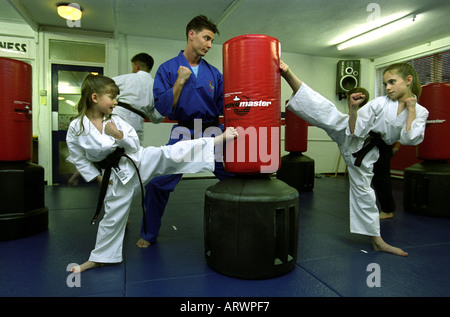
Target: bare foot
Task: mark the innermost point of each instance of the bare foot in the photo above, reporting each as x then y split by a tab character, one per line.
143	243
380	245
386	215
74	179
85	266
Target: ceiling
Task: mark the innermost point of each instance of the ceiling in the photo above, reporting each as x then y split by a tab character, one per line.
302	26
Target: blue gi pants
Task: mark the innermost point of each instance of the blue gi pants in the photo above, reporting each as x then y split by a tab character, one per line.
157	193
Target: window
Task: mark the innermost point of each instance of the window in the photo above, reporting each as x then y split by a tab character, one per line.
431	69
77	51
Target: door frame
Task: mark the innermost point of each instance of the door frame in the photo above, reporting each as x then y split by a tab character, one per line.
60	135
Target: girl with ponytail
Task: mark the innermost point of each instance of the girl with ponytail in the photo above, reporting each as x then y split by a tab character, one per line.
388	119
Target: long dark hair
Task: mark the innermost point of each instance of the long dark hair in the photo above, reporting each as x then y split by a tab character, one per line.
91	84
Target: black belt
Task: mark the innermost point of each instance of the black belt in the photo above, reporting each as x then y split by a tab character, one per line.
374	139
128	107
190	124
112	161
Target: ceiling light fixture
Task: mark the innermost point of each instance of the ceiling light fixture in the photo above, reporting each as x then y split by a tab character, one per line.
378	32
69	11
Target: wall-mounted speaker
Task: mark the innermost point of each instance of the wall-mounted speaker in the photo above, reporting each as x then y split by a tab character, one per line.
347	76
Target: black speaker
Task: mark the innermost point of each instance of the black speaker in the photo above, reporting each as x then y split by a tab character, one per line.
347	76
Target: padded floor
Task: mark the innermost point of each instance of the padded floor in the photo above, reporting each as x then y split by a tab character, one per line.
331	261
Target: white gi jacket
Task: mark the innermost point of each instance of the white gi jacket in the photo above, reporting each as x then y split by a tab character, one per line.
378	115
136	89
91	146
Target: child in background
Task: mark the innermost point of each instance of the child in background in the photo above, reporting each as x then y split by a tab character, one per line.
391	118
135	102
95	135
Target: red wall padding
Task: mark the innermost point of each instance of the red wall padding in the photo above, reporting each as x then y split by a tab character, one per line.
15	110
295	133
436	144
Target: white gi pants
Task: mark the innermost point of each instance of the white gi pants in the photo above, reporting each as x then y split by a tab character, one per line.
111	230
318	111
364	214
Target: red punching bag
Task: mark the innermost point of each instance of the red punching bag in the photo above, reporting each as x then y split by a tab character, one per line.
295	133
252	93
436	144
15	110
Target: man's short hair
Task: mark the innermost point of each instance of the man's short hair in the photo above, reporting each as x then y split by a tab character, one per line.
199	23
144	60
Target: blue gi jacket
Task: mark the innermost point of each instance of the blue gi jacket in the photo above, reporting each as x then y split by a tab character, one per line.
201	97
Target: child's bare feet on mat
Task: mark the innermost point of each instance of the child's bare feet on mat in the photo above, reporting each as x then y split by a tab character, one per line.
380	245
85	266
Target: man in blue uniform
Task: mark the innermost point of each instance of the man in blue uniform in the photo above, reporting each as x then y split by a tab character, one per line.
186	88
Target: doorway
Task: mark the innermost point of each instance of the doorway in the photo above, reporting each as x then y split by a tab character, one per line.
66	92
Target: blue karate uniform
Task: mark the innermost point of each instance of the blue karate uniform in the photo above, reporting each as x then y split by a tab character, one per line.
201	98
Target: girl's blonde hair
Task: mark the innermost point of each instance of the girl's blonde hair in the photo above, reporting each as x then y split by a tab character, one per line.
404	70
91	84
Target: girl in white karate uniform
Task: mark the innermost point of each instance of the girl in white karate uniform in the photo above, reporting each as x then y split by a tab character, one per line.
395	117
95	133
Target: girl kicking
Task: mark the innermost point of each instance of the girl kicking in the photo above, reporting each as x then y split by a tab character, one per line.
395	117
97	136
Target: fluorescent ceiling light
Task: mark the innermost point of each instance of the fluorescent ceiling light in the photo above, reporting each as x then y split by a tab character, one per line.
228	11
69	11
378	32
366	27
